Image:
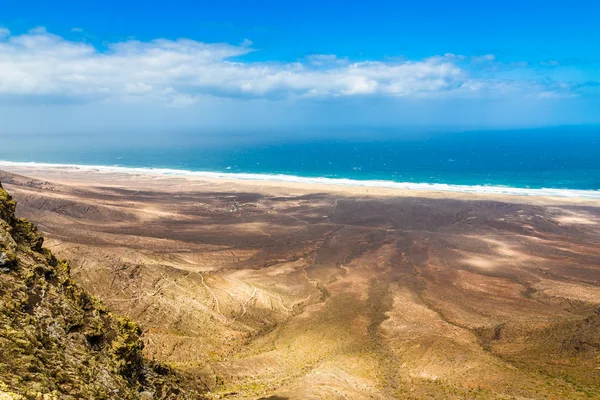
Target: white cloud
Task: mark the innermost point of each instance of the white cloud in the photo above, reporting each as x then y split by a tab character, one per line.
137	88
326	59
38	30
175	72
484	58
76	29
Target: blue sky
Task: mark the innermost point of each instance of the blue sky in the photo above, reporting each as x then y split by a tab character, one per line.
107	65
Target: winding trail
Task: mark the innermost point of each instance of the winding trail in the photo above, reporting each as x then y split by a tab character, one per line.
216	300
244	310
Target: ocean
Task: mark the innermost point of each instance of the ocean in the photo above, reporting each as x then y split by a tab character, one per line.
560	159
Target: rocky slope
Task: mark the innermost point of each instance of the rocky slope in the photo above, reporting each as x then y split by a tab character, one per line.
57	341
293	294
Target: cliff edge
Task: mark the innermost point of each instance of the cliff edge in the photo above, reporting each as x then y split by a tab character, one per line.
56	340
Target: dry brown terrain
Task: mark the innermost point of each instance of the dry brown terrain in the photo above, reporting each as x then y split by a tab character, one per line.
301	292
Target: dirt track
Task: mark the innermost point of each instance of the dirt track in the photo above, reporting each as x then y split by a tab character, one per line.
301	294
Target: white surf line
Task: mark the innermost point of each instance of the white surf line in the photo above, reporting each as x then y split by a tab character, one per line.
422	186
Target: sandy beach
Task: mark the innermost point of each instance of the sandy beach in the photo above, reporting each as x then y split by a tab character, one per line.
178	179
288	290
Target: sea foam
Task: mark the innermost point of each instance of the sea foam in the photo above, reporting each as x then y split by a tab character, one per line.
443	187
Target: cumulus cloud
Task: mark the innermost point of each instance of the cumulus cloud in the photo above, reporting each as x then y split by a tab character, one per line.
176	72
325	59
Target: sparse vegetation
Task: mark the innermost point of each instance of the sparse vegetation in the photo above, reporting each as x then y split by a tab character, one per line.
320	295
57	341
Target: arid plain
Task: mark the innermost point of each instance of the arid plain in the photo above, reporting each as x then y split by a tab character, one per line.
289	291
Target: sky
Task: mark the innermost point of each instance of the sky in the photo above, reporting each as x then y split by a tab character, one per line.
101	67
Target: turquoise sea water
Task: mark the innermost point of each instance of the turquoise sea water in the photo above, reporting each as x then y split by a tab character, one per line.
565	158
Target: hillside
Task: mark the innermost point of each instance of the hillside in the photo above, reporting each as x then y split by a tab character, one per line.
57	341
298	293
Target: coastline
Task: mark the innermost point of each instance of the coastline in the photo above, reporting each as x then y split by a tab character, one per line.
371	187
206	263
